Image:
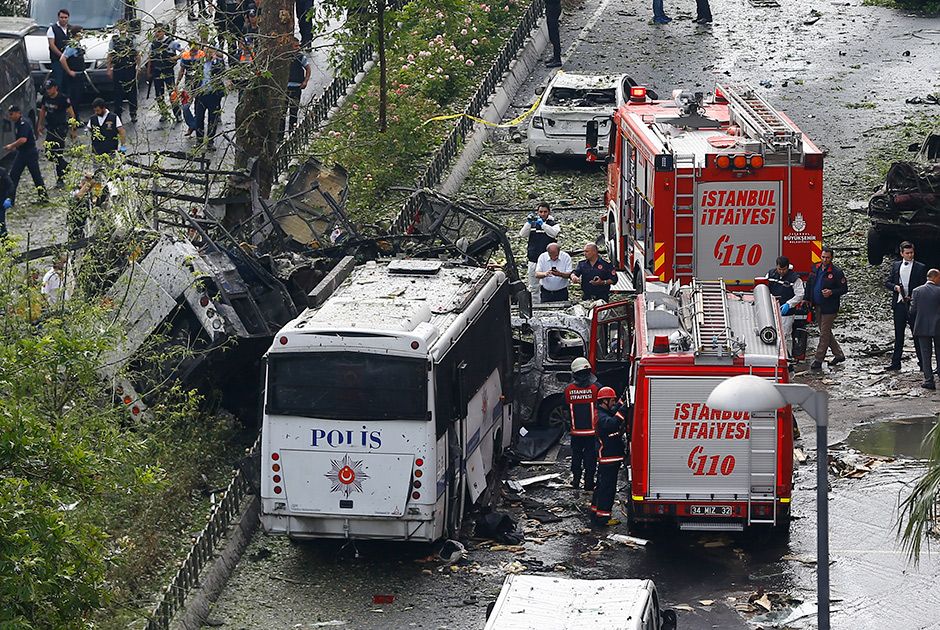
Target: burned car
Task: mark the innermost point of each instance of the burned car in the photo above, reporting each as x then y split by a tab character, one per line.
553	337
907	207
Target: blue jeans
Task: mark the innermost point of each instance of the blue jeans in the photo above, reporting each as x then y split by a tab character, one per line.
658	11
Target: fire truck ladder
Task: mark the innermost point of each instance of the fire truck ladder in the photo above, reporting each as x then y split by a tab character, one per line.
710	331
683	228
762	468
758	119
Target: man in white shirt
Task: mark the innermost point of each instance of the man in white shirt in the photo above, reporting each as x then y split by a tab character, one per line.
787	288
906	275
54	286
553	271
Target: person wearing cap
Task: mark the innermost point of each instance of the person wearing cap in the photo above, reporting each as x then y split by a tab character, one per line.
27	155
107	131
73	65
160	67
610	455
123	61
55	112
581	398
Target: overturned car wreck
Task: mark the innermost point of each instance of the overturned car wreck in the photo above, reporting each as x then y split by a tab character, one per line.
907	207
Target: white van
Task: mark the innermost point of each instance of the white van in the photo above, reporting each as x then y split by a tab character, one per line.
545	602
97	18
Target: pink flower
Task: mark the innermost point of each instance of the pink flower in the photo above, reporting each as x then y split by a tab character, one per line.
440	70
474	29
411	57
470	62
506	8
404	67
355	107
463	31
474	41
467	20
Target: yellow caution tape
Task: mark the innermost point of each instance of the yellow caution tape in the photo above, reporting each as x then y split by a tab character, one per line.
512	123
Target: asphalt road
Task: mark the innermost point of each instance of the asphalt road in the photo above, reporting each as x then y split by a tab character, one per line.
843	79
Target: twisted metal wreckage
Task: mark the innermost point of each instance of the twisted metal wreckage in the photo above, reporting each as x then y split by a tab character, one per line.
220	275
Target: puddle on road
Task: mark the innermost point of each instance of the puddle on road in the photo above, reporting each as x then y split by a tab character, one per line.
893	438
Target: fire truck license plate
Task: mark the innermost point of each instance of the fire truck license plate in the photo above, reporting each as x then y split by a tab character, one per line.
710	510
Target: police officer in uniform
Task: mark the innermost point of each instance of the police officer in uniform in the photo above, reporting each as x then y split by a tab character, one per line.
787	287
107	132
27	155
581	398
73	65
610	455
123	60
209	95
58	35
55	112
552	16
541	229
297	78
163	51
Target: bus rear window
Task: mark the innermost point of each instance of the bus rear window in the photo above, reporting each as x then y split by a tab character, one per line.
347	386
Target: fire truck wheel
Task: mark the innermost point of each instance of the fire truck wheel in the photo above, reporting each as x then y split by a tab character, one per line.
639	280
553	412
875	247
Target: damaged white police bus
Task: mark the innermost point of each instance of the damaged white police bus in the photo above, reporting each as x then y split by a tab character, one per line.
387	405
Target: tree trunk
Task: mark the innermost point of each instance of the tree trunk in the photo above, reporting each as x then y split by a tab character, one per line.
263	102
383	71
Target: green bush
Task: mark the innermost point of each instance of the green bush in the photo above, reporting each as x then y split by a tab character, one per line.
94	511
435	61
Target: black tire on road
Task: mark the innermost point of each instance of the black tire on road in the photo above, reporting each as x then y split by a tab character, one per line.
554	412
875	247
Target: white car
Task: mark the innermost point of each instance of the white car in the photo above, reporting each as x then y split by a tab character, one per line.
559	125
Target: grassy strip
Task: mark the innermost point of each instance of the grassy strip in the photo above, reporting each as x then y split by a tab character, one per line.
436	59
926	7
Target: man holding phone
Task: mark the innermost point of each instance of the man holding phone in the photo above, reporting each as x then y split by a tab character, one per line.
553	270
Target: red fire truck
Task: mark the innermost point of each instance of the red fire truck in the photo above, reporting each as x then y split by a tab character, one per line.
702	468
713	188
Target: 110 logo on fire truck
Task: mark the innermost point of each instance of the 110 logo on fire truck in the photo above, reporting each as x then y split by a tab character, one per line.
695	421
751	210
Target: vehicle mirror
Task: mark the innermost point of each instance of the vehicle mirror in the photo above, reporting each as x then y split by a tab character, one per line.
670	620
540	90
913	147
652	95
592	134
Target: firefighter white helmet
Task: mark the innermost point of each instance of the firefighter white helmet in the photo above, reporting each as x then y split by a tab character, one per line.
580	364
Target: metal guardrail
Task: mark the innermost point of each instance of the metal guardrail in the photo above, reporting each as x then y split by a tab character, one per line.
450	147
317	110
201	553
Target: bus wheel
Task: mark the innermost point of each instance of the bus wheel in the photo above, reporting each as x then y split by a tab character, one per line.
553	412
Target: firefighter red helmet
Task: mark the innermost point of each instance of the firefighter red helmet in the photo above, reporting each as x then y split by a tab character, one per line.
606	392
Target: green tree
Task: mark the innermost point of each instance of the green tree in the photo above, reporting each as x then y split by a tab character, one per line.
919	512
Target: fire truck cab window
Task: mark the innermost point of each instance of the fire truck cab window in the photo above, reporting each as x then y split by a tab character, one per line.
612	342
565	346
581	97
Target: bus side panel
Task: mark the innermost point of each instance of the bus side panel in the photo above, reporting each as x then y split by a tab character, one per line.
484	416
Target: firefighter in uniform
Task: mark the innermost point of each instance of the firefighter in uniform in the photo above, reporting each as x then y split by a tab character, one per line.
610	455
541	229
123	60
107	132
27	155
581	398
787	287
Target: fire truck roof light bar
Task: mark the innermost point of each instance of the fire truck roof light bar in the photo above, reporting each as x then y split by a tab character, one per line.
759	119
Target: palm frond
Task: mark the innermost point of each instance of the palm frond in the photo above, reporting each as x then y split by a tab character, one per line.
919	511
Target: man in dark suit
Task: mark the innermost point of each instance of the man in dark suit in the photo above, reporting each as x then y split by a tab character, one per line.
826	285
906	275
925	309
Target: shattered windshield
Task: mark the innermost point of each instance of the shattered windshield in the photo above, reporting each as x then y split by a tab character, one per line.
581	97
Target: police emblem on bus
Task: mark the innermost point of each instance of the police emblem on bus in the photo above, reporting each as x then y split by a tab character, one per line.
346	475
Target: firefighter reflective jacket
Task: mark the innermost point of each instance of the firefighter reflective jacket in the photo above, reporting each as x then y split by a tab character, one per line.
582	401
610	448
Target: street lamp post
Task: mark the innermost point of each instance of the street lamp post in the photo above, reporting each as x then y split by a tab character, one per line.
747	392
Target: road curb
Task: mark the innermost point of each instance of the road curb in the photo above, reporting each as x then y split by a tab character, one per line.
215	576
498	105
